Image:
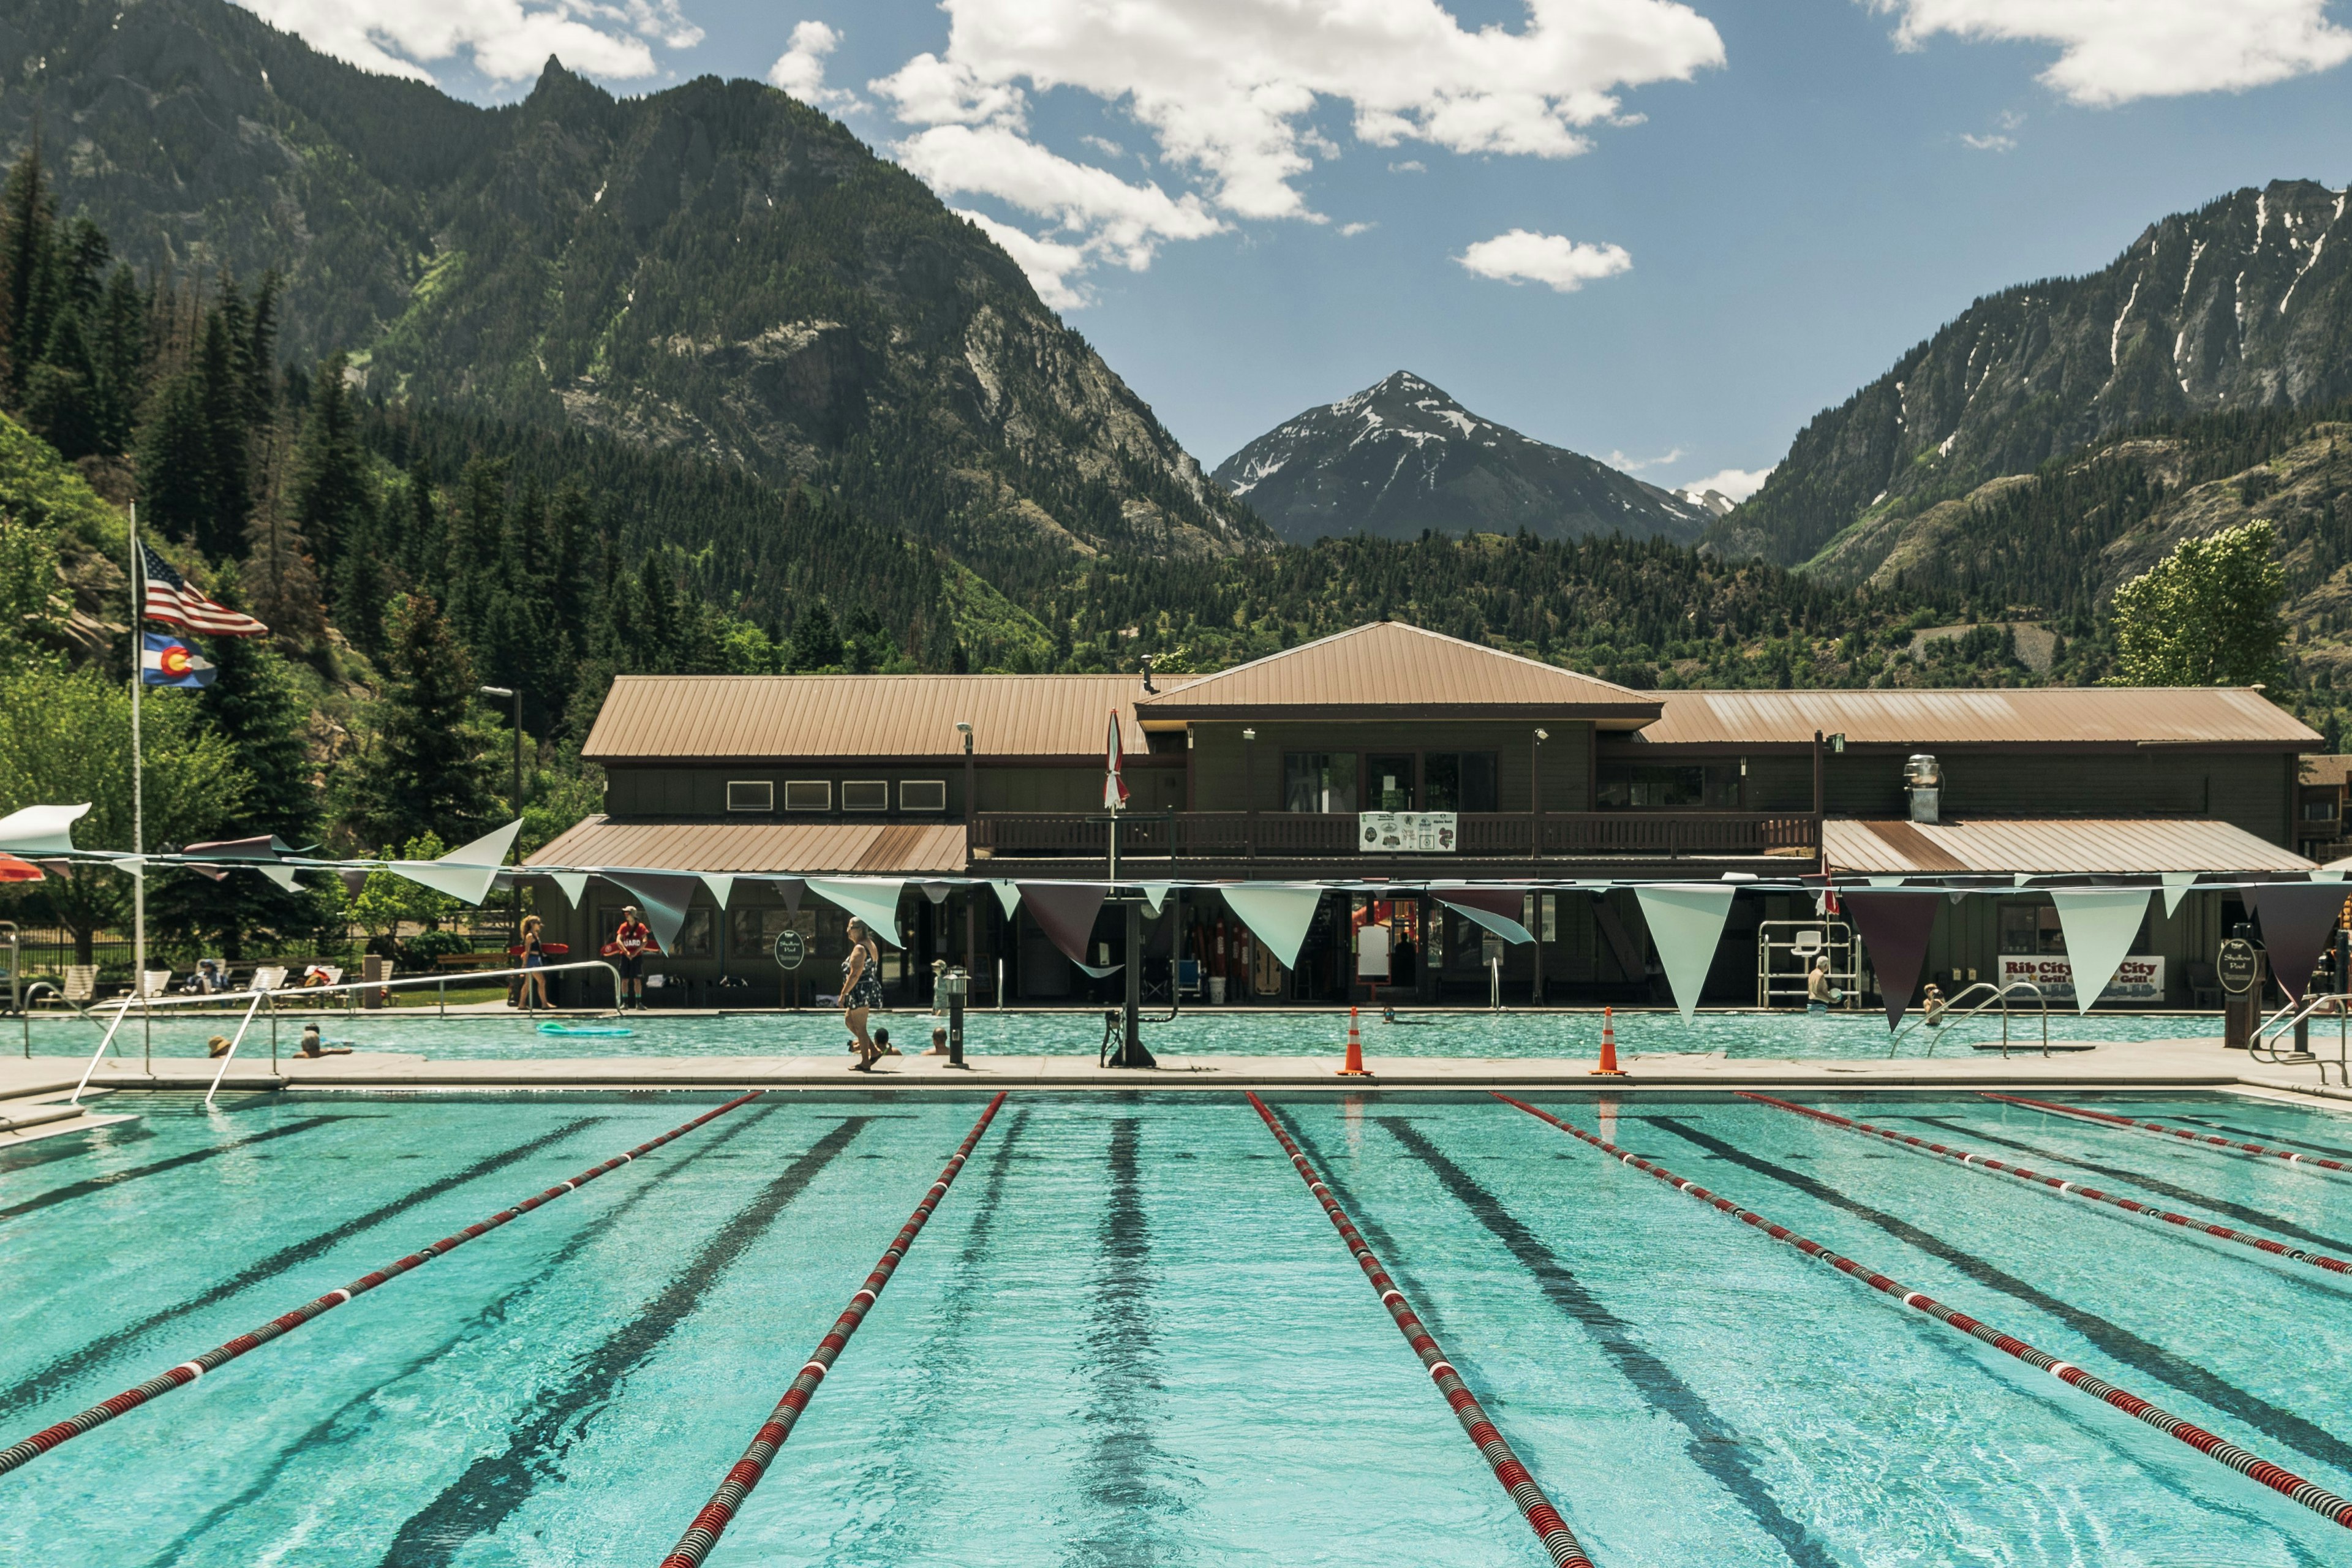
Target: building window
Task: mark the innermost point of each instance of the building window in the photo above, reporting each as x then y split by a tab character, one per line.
2319	811
1461	781
865	794
1626	786
751	794
922	794
1318	781
1389	783
808	794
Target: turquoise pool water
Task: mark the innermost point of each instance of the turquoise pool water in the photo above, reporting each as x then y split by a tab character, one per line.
1130	1337
1204	1032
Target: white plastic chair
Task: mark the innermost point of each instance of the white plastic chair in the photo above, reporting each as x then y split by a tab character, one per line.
154	981
81	983
269	977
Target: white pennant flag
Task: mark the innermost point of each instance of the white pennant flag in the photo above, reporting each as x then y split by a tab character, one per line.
466	873
2099	924
721	884
1686	925
1279	914
2176	886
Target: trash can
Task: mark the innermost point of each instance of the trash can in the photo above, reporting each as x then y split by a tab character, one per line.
371	975
1216	990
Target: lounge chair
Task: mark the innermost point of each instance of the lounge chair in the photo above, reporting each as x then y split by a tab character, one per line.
81	984
155	983
269	977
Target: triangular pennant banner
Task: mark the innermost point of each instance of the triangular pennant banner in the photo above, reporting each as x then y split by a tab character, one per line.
1496	908
1686	923
1100	971
353	878
2298	925
1895	929
2176	886
490	849
1009	896
571	884
1065	911
664	894
1278	914
279	875
467	884
1155	895
2099	924
936	892
874	899
41	829
721	886
1885	882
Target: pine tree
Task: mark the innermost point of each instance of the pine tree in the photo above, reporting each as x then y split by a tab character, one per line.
175	459
27	217
427	770
229	479
817	642
330	497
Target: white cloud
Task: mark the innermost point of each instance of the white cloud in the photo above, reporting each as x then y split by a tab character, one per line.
1624	464
1565	264
1409	167
1109	217
1732	484
503	39
1994	143
800	70
1350	230
1048	265
2113	51
1229	90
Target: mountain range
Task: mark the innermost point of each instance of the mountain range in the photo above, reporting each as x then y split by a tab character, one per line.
715	269
1401	457
2245	303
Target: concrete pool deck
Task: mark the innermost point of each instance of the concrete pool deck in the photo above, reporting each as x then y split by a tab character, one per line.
31	1089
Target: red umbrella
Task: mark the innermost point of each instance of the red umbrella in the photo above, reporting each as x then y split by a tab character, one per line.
14	870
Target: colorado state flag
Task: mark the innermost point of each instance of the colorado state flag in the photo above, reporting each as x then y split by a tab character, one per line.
165	661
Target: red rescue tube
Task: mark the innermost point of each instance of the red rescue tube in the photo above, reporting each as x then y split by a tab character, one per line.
745	1473
2276	1476
1534	1507
2106	1120
187	1372
2059	1184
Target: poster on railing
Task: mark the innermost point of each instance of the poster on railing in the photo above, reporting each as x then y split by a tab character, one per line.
1399	832
2139	979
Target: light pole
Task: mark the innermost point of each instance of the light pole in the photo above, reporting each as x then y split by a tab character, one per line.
970	821
1249	764
513	694
1535	795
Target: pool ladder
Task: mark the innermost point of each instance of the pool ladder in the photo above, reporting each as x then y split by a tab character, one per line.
2265	1047
1995	997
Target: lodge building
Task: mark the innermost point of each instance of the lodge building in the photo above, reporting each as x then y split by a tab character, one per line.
1387	753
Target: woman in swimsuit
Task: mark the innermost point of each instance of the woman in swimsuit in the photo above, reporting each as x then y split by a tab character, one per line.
534	956
861	992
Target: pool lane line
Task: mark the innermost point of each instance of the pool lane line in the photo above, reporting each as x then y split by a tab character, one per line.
2106	1120
187	1372
2330	1148
35	1386
2112	1340
2035	1179
1557	1540
89	1184
1713	1447
2279	1478
745	1473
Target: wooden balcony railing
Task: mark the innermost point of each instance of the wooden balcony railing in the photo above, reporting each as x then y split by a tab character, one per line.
1231	835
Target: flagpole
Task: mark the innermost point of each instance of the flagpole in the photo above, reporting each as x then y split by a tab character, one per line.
138	789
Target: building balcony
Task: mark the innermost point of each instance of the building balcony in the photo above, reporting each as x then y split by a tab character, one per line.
1326	844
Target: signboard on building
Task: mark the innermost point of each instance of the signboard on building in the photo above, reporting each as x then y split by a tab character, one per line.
792	949
1405	832
2138	979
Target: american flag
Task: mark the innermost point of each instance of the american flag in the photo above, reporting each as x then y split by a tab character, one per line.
171	601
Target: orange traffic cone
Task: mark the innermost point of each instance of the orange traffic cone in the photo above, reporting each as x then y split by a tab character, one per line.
1355	1068
1608	1067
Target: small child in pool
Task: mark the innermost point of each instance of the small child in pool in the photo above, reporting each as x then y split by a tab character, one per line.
314	1048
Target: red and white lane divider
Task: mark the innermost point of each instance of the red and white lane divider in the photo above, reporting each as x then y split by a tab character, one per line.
745	1473
2059	1184
2276	1476
187	1372
1534	1507
2104	1119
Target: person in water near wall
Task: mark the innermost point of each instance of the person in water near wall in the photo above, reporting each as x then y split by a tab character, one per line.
315	1048
861	992
1817	986
630	943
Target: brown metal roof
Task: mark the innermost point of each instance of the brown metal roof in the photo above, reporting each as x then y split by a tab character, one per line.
913	849
650	717
1404	670
2051	845
2209	715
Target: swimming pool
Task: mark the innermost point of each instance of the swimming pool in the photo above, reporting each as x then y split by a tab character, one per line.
1129	1335
1204	1032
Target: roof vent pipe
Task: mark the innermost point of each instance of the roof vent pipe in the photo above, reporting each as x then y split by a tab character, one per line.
1923	778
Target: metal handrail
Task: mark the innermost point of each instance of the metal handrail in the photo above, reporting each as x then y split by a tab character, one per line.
122	1008
1998	995
2262	1044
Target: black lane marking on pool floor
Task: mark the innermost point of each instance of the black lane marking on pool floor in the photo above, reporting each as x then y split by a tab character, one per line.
2153	1184
116	1178
495	1485
2332	1151
331	1433
2112	1339
934	1400
1124	1470
50	1379
1714	1446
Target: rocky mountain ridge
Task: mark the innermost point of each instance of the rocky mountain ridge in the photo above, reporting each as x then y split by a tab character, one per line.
1402	456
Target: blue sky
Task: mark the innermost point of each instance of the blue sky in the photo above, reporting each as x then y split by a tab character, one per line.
1752	207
